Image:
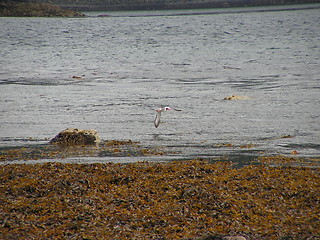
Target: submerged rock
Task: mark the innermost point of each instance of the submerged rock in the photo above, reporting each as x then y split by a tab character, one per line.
237	97
75	136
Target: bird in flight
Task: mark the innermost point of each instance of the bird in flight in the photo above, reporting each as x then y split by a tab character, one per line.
158	114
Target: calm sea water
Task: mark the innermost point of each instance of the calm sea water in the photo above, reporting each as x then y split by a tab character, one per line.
127	66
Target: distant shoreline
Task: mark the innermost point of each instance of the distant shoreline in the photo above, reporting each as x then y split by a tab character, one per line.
28	9
15	9
189	12
178	5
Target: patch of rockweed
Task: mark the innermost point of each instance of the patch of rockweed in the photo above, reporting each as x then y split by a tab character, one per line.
177	200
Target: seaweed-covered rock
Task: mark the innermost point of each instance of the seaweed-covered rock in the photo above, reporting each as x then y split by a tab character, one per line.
237	97
75	136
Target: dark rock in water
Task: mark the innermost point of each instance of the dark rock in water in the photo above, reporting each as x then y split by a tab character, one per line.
74	136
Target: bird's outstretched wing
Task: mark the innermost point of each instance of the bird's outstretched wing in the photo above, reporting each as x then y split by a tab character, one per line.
157	119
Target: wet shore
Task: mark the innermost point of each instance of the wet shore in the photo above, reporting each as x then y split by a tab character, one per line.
177	200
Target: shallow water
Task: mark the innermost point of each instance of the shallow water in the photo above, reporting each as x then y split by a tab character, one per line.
126	67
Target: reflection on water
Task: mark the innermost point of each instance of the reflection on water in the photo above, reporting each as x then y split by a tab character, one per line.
110	74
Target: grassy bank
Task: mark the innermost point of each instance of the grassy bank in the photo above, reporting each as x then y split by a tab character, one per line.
178	200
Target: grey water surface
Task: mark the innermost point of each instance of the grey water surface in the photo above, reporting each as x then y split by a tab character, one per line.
111	73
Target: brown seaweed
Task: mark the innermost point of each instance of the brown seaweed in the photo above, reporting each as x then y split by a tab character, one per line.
177	200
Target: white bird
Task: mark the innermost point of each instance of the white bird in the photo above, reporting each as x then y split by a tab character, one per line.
158	114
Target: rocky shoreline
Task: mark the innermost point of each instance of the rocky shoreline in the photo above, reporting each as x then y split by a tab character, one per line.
178	200
26	9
